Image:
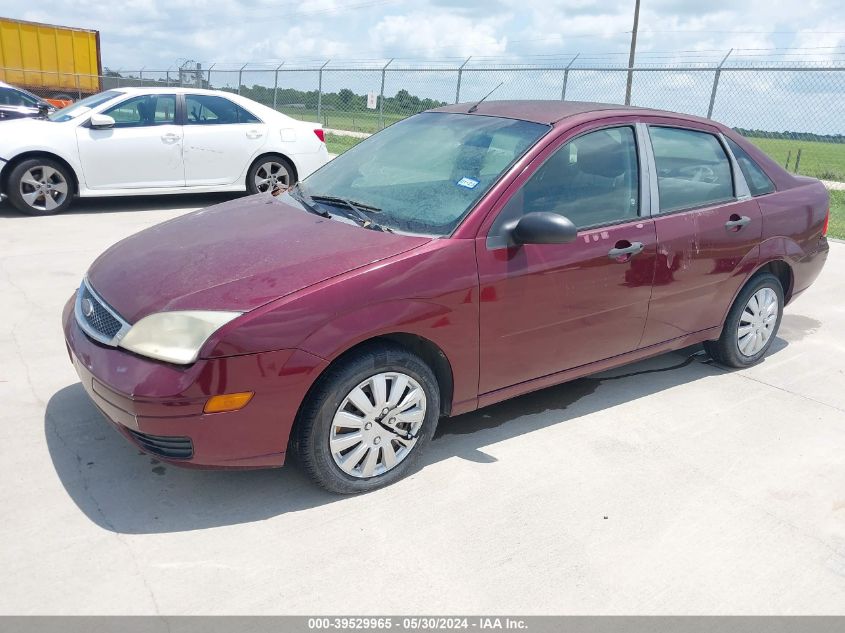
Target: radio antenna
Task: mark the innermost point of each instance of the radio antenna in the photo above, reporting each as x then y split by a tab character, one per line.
477	103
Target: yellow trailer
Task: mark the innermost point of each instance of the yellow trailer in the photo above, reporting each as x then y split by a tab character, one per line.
57	62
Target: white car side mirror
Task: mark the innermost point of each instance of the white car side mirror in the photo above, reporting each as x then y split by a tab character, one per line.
101	121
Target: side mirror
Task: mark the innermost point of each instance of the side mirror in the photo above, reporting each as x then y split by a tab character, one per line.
542	227
44	109
101	121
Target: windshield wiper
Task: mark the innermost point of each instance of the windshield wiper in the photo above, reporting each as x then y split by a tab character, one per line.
347	202
355	211
299	195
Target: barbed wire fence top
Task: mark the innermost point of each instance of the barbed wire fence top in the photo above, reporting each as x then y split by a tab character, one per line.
783	106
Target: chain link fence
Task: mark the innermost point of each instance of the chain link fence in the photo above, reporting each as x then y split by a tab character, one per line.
795	112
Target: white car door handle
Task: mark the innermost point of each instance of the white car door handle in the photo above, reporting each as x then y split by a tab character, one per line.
170	137
254	134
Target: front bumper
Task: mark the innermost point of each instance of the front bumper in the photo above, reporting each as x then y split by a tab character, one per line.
159	407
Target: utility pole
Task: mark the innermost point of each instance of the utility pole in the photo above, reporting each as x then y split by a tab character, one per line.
633	54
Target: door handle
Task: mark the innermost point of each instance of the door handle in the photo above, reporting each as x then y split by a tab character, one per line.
254	134
170	137
623	253
737	222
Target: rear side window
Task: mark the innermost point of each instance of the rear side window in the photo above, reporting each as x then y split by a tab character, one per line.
692	169
211	110
758	182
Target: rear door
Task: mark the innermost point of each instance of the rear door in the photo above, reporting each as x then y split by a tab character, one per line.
546	308
708	230
221	139
143	149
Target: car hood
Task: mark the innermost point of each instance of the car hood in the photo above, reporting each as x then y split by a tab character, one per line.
238	255
27	131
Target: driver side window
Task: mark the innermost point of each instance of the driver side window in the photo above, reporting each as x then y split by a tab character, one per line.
144	111
592	180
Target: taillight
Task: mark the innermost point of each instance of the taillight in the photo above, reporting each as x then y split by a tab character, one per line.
826	222
320	135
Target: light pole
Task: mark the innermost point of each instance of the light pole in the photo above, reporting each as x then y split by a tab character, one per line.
633	53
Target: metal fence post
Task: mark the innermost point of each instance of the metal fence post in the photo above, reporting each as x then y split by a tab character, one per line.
381	96
276	84
168	77
460	74
240	77
320	92
78	88
566	77
208	75
716	76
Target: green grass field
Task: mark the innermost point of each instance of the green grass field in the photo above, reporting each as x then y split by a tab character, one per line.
369	121
837	215
818	159
338	144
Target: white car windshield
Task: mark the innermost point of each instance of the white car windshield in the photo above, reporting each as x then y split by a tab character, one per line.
84	106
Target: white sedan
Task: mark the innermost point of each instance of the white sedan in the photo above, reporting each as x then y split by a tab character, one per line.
143	141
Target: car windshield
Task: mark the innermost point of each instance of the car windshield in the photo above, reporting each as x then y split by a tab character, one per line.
82	107
17	97
424	174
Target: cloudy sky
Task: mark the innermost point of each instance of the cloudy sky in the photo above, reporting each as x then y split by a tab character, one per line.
161	33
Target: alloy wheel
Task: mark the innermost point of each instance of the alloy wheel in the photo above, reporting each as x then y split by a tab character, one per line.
271	174
376	425
43	188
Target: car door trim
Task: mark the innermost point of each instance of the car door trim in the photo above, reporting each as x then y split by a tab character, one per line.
741	189
648	169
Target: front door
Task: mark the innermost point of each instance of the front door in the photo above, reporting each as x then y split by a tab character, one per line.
143	149
221	139
551	307
708	233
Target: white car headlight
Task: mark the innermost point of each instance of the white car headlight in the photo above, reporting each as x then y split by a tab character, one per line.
175	337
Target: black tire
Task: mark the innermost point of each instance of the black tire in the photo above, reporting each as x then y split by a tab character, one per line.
310	440
40	205
284	164
726	350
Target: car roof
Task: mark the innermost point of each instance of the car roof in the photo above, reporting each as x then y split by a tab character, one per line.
170	90
550	112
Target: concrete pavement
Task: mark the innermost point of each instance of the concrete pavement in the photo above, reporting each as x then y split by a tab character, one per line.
669	486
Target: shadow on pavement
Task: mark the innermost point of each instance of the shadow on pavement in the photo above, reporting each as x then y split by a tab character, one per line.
123	490
121	204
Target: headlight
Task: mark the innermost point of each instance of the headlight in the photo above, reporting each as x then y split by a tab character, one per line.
175	337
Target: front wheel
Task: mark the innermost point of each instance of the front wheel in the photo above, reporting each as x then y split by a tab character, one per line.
269	172
40	186
751	325
367	420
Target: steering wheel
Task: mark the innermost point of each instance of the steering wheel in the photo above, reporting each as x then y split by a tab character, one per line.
699	173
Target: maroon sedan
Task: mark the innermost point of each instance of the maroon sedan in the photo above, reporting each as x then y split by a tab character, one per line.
461	257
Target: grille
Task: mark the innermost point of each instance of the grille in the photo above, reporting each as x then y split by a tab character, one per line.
164	445
101	319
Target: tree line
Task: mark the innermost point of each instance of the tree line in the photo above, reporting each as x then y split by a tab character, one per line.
793	136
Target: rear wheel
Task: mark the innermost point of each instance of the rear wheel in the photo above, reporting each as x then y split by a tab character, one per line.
268	173
40	186
752	323
368	420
